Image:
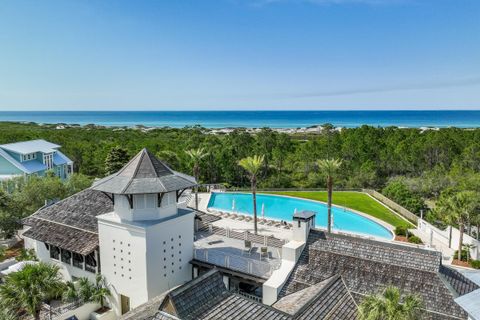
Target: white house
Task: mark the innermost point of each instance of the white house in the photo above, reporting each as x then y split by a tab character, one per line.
127	226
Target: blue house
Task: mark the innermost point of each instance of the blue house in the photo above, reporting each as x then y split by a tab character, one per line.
34	157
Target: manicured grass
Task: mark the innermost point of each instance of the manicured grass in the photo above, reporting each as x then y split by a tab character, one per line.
353	200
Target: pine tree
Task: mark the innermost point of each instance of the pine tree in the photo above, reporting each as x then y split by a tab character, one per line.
116	159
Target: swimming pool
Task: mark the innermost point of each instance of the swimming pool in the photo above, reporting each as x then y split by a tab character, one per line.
282	208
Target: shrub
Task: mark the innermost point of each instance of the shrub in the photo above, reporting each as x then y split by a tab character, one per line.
464	255
2	253
401	231
475	264
27	255
415	239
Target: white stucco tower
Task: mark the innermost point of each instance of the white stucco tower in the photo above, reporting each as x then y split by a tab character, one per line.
146	243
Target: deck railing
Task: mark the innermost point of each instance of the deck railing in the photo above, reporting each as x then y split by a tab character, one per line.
246	265
269	241
247	295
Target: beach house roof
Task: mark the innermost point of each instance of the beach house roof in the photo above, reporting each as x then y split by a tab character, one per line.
26	147
144	174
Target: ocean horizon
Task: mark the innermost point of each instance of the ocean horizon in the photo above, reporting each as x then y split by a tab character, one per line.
254	119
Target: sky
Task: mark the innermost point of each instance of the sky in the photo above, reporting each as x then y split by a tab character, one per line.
239	54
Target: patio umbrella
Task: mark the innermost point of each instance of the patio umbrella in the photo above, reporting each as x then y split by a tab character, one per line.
263	210
233	205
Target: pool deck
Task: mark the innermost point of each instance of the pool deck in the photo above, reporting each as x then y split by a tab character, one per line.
263	230
231	253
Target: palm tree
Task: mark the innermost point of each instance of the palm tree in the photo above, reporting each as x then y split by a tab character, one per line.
457	208
468	247
27	289
329	167
101	291
389	306
444	211
196	155
94	292
253	166
70	294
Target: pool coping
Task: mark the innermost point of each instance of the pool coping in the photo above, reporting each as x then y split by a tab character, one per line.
384	224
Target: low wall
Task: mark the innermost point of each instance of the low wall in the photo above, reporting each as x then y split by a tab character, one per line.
437	237
7	263
82	313
393	205
290	254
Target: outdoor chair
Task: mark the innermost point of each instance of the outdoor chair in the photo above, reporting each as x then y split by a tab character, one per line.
264	252
248	247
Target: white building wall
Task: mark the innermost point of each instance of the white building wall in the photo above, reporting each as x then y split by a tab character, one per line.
145	207
123	261
68	271
170	249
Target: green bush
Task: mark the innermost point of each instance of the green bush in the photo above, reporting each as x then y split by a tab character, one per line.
401	231
475	264
415	239
464	255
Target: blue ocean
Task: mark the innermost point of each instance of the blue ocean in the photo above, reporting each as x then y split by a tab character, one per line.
253	119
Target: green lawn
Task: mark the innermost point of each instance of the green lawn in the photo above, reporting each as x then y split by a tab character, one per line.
354	200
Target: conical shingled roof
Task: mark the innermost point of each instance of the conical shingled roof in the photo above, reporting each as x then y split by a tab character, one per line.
144	174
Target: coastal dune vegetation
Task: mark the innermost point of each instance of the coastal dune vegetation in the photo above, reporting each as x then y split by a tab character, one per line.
414	167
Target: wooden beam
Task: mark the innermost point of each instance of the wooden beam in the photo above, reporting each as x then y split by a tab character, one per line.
130	200
159	200
110	196
180	194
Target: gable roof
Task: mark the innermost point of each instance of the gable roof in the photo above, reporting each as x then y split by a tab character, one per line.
144	174
60	158
328	299
31	146
368	266
471	303
206	297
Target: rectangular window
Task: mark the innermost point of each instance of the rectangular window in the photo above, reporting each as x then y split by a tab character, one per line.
77	260
90	262
150	201
54	253
144	201
30	156
66	256
138	201
48	160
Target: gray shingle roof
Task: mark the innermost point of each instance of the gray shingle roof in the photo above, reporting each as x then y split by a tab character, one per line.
368	266
71	223
207	298
144	174
75	240
329	299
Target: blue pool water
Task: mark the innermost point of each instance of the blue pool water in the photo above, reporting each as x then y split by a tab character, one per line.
282	208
